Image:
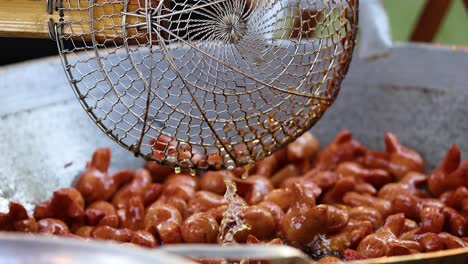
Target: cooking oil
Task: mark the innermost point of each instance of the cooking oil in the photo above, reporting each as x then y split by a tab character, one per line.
247	168
193	172
232	223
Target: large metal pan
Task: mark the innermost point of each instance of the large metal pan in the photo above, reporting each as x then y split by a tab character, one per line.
24	249
417	91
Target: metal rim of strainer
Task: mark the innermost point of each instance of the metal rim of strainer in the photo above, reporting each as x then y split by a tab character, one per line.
225	158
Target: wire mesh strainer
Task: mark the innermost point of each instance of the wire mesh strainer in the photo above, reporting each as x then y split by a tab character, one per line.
205	84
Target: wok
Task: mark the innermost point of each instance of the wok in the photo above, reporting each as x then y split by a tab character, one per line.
417	92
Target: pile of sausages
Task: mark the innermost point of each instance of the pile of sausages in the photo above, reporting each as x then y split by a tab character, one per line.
344	202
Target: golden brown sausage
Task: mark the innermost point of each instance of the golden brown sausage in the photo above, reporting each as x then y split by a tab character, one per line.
366	213
287	172
376	177
85	231
96	185
253	189
144	239
304	220
134	214
200	228
282	197
343	148
451	174
164	220
397	159
110	233
385	241
213	181
260	221
52	226
402	218
356	199
16	212
202	201
140	183
101	213
275	211
67	204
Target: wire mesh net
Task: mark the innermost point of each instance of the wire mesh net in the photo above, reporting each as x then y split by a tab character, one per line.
206	84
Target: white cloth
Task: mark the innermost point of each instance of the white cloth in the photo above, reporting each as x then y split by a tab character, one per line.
374	29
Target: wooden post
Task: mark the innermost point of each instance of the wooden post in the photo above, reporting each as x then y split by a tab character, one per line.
29	19
25	18
430	20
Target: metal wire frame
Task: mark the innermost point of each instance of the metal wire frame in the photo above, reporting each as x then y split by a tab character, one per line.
206	84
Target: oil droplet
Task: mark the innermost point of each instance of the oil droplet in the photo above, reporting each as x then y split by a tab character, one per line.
247	167
229	126
215	160
258	60
177	170
230	163
232	221
193	172
243	132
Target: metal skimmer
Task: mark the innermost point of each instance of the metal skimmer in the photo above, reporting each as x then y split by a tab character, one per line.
205	84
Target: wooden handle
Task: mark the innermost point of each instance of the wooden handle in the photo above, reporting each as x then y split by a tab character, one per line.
30	19
430	20
24	18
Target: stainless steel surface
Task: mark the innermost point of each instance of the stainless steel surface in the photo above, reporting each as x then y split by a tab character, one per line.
45	137
273	253
452	256
23	249
228	81
283	254
419	92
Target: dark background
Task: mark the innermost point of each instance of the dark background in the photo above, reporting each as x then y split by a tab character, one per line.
16	50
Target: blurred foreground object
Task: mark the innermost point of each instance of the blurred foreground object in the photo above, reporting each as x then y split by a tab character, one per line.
431	19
